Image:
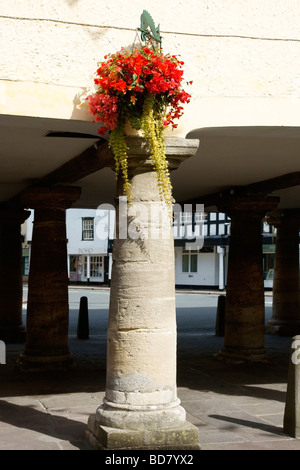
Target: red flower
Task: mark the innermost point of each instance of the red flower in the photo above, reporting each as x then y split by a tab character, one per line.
124	79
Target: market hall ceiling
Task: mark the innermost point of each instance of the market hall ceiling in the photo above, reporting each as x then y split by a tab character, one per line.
43	151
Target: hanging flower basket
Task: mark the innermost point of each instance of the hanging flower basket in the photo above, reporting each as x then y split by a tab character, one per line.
142	87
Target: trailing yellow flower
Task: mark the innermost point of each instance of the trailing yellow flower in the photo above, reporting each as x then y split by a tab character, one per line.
118	143
153	132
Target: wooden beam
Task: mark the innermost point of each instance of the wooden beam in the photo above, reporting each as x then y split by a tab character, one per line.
288	180
209	200
92	159
261	188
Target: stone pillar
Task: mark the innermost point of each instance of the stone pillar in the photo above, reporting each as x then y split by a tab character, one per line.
285	319
47	307
11	280
245	308
141	409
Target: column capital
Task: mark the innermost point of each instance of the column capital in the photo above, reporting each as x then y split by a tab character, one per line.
178	149
250	204
13	214
59	197
278	217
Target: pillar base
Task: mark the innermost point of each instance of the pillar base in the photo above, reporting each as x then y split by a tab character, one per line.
241	356
28	363
11	335
182	437
283	328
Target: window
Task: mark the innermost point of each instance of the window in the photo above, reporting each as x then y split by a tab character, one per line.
189	224
96	266
186	217
217	224
190	261
87	228
73	264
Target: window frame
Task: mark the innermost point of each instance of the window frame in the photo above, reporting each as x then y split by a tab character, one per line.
84	229
187	254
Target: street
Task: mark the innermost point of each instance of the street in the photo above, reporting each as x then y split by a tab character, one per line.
195	312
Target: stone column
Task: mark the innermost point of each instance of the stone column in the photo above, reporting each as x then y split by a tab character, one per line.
285	319
47	307
141	409
245	308
11	280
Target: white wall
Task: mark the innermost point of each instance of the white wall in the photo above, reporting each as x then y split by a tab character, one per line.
74	232
241	54
103	226
29	226
207	274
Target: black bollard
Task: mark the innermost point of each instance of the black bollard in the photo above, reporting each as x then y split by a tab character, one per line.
220	319
83	319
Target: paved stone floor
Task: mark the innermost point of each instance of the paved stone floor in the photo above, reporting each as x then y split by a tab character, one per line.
235	407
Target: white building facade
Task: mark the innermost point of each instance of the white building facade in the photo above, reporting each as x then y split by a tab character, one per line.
201	248
88	235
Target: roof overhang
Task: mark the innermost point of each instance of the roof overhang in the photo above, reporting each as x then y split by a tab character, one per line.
58	151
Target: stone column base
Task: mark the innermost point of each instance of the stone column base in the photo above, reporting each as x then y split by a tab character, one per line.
240	356
28	363
283	328
182	437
